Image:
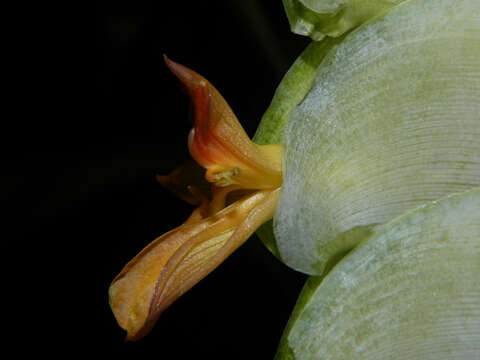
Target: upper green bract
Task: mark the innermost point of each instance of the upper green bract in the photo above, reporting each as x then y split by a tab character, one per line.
388	121
320	18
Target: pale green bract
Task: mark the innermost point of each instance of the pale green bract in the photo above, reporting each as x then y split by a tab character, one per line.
292	90
320	18
412	291
392	121
376	126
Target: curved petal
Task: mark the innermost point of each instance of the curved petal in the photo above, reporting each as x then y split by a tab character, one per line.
219	143
177	260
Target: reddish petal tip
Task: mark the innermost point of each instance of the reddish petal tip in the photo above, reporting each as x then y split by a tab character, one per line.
188	77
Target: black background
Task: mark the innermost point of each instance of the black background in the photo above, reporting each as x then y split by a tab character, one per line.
84	182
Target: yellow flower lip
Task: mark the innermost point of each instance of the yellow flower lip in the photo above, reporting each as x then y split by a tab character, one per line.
238	169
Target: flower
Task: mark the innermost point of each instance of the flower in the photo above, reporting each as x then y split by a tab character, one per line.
245	182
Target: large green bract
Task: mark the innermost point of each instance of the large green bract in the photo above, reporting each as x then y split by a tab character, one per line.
392	121
412	291
380	128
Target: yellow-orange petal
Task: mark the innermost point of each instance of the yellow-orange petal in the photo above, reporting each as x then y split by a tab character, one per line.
219	143
177	260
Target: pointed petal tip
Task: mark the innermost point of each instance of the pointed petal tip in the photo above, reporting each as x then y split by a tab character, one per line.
163	179
170	63
188	77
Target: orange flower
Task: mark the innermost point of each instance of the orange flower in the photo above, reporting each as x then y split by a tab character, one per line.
246	180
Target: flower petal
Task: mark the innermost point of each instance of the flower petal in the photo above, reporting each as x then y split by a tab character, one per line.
177	260
219	143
